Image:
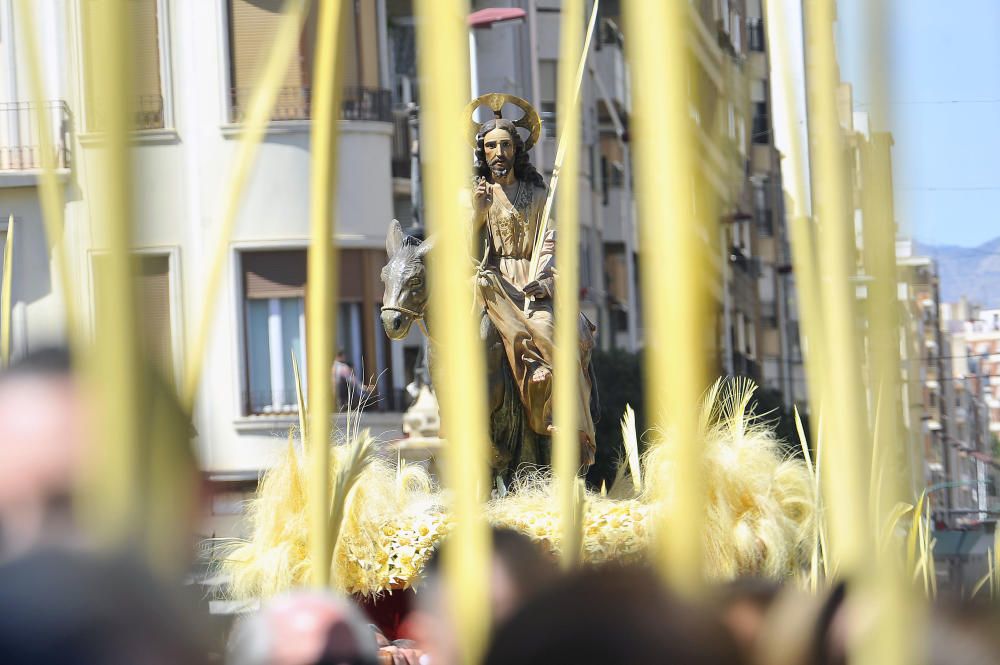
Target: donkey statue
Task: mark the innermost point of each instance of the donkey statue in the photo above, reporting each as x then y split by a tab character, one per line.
514	443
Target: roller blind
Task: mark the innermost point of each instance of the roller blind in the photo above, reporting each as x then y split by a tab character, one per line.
282	273
154	298
147	93
253	25
152	291
146	57
274	274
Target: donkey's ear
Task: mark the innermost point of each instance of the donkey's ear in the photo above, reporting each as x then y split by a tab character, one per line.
394	238
426	246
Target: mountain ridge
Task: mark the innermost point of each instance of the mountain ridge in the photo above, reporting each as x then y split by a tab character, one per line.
970	271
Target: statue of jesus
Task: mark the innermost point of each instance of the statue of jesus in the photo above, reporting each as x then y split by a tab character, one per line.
508	200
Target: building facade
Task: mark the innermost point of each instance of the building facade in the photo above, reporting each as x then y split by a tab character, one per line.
195	67
973	363
961	469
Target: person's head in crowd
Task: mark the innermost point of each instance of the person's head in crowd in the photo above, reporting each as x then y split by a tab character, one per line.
803	628
69	607
44	432
611	615
964	633
520	568
743	604
304	627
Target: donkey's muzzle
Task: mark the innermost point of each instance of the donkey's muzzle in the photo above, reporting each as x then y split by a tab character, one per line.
396	324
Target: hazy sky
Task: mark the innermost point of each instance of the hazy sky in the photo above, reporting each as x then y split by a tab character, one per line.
945	71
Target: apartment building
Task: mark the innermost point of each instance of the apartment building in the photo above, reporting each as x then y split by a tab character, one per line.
779	351
972	365
933	395
981	334
954	366
195	65
742	190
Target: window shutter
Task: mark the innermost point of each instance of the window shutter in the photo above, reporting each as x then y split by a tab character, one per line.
277	274
253	26
154	302
145	32
147	93
282	273
152	292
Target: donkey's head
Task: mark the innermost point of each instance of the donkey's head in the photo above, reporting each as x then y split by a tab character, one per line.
405	278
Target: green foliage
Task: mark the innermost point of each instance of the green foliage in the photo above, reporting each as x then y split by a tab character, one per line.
996	446
619	382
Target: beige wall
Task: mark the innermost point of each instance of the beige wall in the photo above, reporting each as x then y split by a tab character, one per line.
181	176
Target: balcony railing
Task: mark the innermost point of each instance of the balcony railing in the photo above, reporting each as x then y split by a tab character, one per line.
357	103
146	112
20	134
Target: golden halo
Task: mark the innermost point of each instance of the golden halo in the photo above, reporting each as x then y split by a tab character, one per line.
495	101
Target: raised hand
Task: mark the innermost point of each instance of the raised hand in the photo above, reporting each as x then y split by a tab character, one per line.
482	195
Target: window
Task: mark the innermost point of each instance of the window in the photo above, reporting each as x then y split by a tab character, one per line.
147	87
762	209
153	291
253	25
756	34
153	303
548	82
274	290
761	130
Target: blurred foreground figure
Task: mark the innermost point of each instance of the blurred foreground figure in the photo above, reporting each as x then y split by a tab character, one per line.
63	607
520	569
611	615
743	606
44	432
304	628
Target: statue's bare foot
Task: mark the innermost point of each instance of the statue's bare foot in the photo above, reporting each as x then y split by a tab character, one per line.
541	374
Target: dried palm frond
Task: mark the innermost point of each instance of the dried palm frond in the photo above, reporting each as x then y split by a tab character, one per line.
299	397
359	452
5	291
631	442
759	518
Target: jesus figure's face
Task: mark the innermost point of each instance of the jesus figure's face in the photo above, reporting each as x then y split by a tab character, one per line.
499	147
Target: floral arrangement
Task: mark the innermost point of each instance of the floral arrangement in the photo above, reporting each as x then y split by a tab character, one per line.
760	514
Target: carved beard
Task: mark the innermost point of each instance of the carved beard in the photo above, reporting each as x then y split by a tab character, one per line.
499	170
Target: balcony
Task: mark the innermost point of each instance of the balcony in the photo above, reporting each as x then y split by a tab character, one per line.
357	103
611	68
402	141
21	139
749	265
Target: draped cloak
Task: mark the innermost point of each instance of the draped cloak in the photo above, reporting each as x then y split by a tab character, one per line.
527	336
